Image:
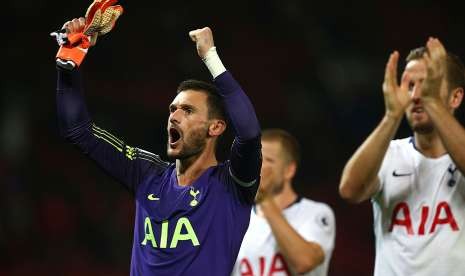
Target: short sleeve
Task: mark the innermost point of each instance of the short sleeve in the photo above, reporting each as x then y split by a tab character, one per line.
383	171
321	228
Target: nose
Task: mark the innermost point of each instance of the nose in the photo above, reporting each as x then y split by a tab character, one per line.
175	116
416	93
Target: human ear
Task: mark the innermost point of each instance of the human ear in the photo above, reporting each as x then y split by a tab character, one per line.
217	127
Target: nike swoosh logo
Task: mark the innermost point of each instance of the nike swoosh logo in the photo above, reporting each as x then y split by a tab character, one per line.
395	174
151	197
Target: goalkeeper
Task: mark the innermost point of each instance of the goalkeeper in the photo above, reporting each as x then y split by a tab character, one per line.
191	214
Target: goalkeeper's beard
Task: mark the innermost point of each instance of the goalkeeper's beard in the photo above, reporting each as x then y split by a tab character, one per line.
191	145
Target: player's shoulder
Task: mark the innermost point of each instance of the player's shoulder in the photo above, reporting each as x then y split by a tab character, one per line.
146	156
402	144
227	170
221	172
315	206
221	169
317	214
401	149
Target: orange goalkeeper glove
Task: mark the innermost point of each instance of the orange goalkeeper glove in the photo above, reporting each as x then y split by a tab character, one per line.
74	44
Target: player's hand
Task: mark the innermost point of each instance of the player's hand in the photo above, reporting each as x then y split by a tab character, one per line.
78	35
396	98
435	61
76	26
203	39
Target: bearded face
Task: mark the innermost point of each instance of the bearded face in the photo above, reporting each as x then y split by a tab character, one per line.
185	144
187	125
418	119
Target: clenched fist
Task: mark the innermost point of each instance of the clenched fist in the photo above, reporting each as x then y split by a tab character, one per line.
203	39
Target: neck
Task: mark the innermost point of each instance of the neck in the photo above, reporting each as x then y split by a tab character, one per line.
286	197
189	169
430	144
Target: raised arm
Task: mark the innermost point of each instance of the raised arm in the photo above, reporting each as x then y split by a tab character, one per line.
246	150
359	179
125	163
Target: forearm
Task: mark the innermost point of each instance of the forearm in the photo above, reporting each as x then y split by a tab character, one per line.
237	105
303	256
72	111
451	132
359	178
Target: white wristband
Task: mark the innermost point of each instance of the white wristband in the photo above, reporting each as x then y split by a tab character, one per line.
213	62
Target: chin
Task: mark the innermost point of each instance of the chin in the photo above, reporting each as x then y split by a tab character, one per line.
173	153
421	125
422	128
171	156
277	188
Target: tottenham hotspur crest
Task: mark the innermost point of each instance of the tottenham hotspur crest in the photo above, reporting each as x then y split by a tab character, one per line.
194	194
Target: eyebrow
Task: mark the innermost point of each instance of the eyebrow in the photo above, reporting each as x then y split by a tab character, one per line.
268	158
183	106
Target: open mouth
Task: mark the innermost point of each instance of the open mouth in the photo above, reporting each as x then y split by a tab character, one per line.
417	110
174	135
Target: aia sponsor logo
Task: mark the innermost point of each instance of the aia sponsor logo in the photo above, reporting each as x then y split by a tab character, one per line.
277	264
443	217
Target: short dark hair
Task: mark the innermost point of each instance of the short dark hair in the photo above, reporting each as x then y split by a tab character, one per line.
214	101
288	142
455	67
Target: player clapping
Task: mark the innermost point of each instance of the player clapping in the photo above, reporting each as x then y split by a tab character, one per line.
416	184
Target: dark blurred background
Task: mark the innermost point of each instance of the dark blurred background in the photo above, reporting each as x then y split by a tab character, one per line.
314	68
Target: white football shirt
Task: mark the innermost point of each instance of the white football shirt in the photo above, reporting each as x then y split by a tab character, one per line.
259	254
419	214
